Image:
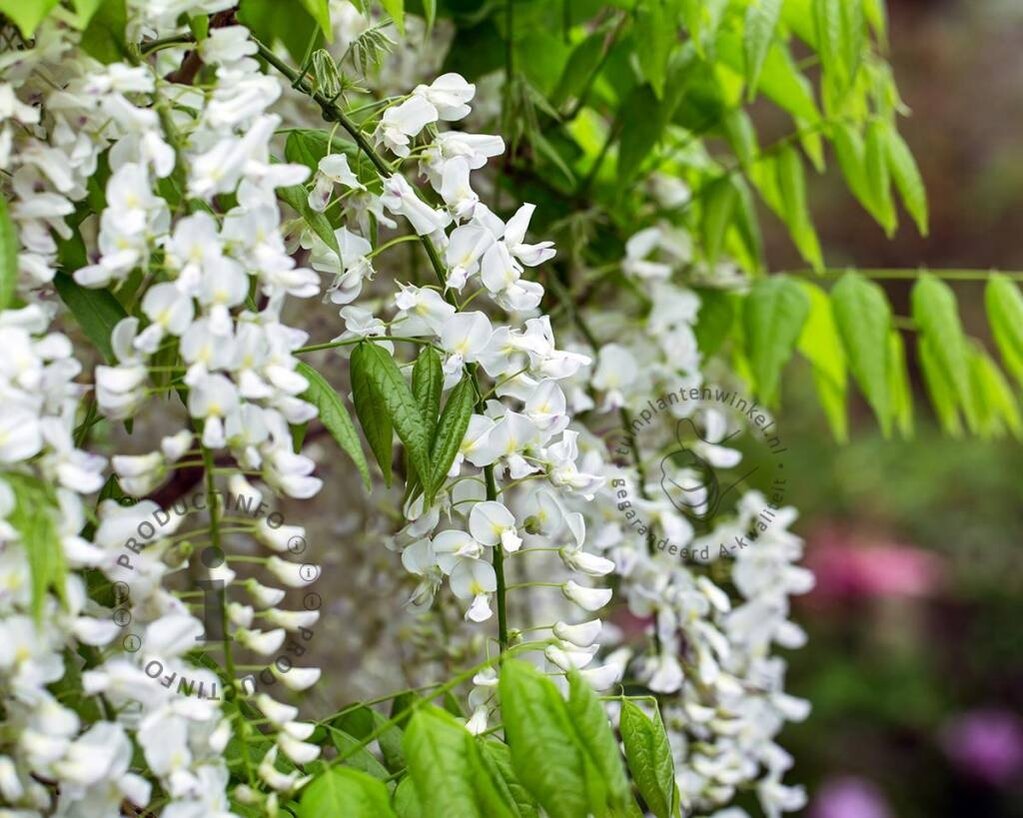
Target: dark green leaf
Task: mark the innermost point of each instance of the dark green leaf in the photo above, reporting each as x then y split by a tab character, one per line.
427	383
297	197
376	423
655	36
96	311
451	428
581	64
719	199
360	759
104	37
641	131
334	417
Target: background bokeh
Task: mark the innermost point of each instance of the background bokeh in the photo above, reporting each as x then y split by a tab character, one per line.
915	658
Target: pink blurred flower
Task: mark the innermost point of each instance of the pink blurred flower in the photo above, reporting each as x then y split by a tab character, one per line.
849	797
987	744
847	565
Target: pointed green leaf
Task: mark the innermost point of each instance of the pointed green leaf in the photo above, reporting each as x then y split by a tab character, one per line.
937	317
427	383
821	345
898	385
655	35
96	311
451	428
591	723
105	37
8	257
357	756
430	12
544	750
395	397
906	175
33	517
497	754
1004	304
773	317
340	791
875	160
761	23
406	802
27	14
396	10
719	202
319	10
795	213
939	389
374	419
996	401
582	62
864	322
648	754
297	198
334	417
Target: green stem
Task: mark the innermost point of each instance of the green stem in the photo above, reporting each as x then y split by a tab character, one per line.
904	274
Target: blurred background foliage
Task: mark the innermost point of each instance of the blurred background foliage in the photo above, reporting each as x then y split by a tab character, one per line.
915	660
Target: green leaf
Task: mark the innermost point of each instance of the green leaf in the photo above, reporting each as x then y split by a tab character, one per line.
406	802
334	417
396	9
319	10
937	318
906	175
641	131
104	37
430	13
451	428
719	202
995	399
864	323
898	385
545	753
875	160
275	22
376	423
393	395
360	722
1004	304
427	384
339	791
297	197
96	311
591	724
33	518
444	766
714	321
648	754
940	389
499	756
356	756
773	317
821	345
27	14
655	36
851	153
840	31
8	256
582	62
761	22
795	213
85	9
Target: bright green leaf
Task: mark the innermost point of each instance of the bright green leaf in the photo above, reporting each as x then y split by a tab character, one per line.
582	62
937	318
761	23
33	517
545	752
821	345
940	389
27	14
8	256
396	10
648	754
319	10
719	200
898	385
773	316
875	161
427	384
864	321
906	176
655	37
1004	304
340	791
591	723
795	212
